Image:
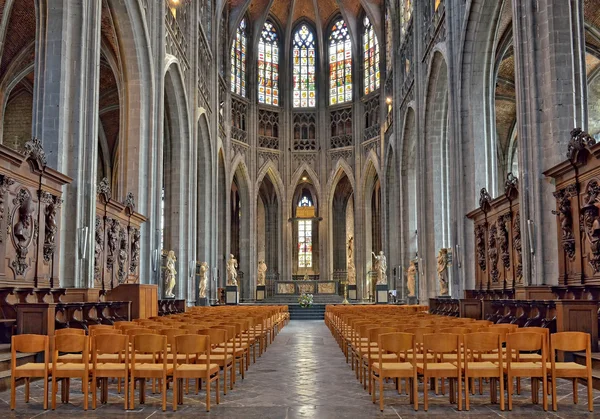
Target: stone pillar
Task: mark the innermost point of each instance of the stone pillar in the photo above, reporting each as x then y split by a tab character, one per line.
67	68
545	86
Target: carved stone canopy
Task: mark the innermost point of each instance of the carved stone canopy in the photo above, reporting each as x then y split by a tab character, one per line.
130	203
577	149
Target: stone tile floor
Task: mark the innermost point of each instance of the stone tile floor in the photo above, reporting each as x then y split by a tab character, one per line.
303	374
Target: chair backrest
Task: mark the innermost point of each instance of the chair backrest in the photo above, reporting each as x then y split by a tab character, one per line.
71	344
441	343
525	341
396	342
217	336
30	343
96	332
192	345
140	331
69	331
482	342
541	330
570	342
419	332
509	326
116	344
150	344
100	327
376	331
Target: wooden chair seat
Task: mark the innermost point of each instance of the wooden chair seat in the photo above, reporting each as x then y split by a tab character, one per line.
218	357
110	367
375	355
529	357
152	367
182	368
32	368
523	367
441	366
564	367
71	358
483	365
391	366
69	366
192	358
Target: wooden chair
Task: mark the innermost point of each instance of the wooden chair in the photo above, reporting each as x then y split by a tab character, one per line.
29	344
441	344
571	342
515	367
373	353
224	359
97	332
154	365
69	331
118	347
70	343
196	345
383	367
476	345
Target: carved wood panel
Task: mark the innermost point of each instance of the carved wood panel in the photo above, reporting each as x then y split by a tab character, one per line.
497	239
30	205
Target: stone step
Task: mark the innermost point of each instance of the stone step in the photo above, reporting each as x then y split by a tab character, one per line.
579	357
315	312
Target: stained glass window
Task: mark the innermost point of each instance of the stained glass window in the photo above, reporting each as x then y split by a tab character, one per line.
305	243
268	65
304	56
238	60
371	57
340	64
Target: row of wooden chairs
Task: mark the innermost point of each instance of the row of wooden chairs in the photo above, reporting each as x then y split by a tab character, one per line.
196	345
417	344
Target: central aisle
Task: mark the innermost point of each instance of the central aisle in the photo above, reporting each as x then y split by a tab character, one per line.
303	374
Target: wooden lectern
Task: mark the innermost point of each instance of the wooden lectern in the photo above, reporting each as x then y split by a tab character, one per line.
144	299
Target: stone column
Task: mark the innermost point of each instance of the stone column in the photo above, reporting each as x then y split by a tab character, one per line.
67	68
546	81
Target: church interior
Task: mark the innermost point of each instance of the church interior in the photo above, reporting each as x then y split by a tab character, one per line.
336	189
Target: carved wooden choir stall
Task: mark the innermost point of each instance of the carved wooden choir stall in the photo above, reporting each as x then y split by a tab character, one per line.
500	294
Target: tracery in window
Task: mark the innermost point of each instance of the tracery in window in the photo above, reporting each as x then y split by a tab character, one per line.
238	60
304	62
340	64
371	57
268	65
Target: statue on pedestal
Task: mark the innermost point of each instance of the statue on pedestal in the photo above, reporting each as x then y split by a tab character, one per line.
411	275
350	268
380	267
170	273
232	266
262	273
442	270
203	279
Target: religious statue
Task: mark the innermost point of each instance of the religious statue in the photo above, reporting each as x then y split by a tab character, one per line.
170	273
203	279
350	268
23	229
262	272
442	270
380	267
411	275
232	266
350	248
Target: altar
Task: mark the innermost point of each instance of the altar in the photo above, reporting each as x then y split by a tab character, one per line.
305	287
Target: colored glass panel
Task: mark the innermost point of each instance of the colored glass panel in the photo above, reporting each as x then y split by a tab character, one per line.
340	64
268	65
304	63
238	60
371	57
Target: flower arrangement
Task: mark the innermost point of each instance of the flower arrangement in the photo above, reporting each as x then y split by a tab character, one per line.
305	300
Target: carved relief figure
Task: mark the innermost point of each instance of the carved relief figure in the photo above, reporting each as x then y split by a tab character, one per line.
232	266
493	253
123	255
135	251
442	271
5	182
566	219
591	223
170	273
411	276
203	279
350	268
98	249
518	247
350	248
380	267
262	272
480	246
23	230
503	240
113	241
51	226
